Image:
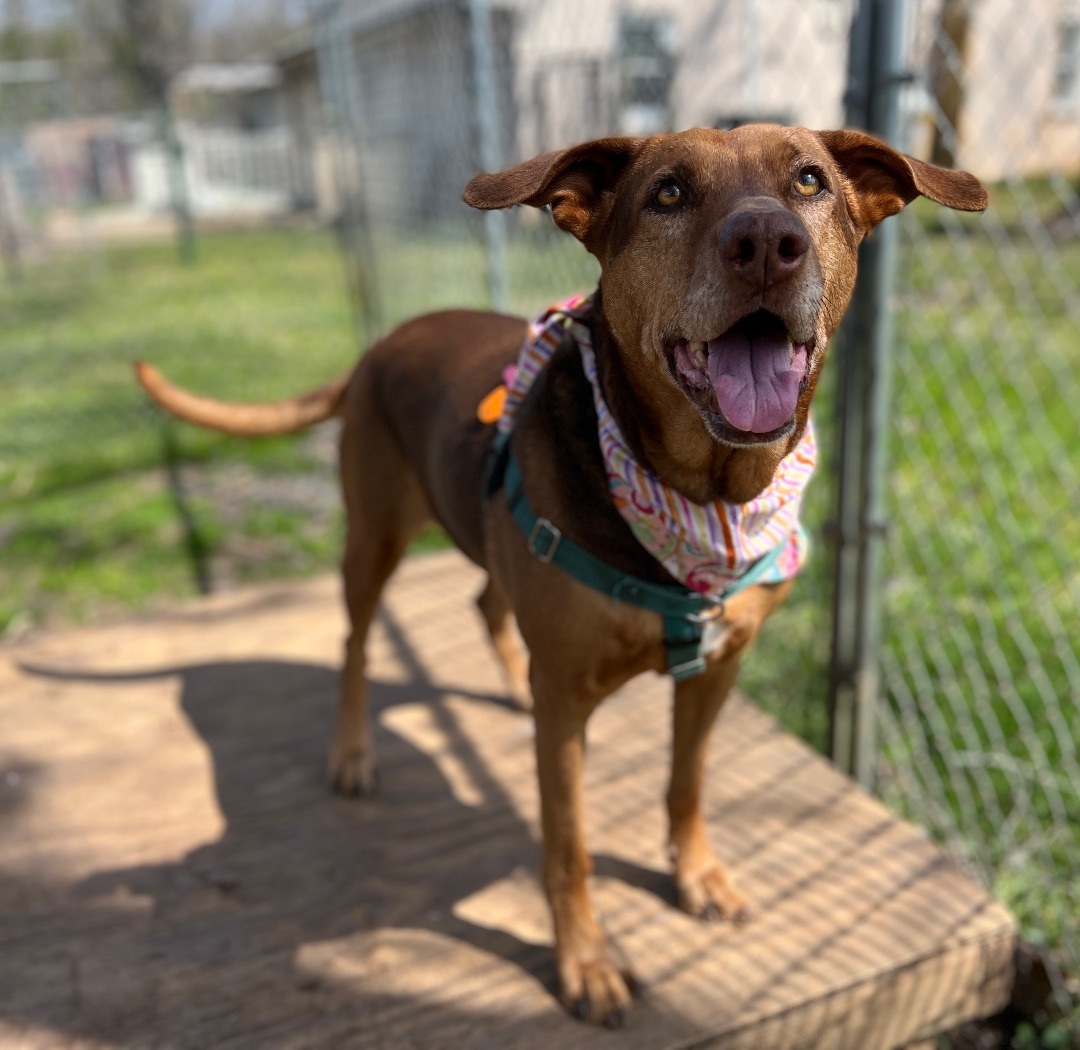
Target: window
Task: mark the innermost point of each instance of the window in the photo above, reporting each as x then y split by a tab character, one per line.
1067	67
646	69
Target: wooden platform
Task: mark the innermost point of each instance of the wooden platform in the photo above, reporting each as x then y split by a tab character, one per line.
173	872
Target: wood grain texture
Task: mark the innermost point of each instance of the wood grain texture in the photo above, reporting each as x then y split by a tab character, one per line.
174	873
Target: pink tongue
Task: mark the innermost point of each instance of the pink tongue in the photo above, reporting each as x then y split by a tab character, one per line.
753	379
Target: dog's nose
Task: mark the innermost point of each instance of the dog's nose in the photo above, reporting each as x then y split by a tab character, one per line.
763	243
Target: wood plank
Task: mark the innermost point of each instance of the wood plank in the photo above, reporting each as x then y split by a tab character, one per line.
173	871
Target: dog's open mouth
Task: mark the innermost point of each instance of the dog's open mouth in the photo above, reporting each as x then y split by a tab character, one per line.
747	381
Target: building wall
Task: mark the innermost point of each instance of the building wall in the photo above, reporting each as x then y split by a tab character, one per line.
301	107
1012	123
787	60
749	60
417	112
79	161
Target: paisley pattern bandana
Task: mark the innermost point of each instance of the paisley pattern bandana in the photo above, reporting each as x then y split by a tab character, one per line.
707	547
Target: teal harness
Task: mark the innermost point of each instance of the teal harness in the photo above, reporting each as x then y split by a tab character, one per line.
685	612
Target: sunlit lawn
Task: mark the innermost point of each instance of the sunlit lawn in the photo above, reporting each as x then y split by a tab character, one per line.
87	522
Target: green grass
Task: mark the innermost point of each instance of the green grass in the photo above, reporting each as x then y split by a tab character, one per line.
260	313
88	525
983	586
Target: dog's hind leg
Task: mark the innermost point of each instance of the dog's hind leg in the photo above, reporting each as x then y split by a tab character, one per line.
385	506
352	754
513	659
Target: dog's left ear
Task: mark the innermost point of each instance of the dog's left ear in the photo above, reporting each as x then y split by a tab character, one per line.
884	181
578	183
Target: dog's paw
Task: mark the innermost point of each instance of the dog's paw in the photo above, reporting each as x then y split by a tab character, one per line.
597	991
709	895
353	774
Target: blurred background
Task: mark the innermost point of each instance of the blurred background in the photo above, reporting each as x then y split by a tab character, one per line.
248	192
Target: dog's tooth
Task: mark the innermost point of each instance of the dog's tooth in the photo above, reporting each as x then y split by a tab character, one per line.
700	352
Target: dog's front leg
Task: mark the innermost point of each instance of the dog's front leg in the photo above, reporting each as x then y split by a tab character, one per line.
593	985
703	886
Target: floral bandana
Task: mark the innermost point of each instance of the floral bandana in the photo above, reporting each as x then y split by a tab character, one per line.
707	547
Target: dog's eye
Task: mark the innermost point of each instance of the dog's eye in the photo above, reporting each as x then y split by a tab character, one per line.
668	195
808	183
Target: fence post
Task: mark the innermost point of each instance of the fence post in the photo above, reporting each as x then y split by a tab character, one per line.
487	124
335	61
10	239
876	74
179	198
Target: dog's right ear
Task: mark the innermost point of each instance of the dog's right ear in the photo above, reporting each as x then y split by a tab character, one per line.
578	183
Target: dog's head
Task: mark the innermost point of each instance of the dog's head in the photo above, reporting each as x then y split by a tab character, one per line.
728	258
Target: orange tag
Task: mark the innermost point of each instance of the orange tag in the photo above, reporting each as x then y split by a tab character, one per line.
489	410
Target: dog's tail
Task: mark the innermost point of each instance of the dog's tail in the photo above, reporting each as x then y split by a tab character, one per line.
244	420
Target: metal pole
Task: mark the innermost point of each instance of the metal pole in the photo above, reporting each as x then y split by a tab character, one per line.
179	198
487	122
335	62
321	14
10	244
19	74
865	359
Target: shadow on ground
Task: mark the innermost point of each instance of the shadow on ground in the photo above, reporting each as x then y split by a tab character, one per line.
313	920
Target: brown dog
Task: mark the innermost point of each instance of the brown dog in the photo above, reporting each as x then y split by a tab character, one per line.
695	233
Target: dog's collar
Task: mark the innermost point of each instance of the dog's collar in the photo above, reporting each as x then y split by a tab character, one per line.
685	612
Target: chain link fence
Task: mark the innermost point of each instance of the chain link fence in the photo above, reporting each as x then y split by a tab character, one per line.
980	719
392	105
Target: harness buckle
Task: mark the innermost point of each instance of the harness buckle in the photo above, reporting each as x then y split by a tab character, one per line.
707	614
543	531
688	669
